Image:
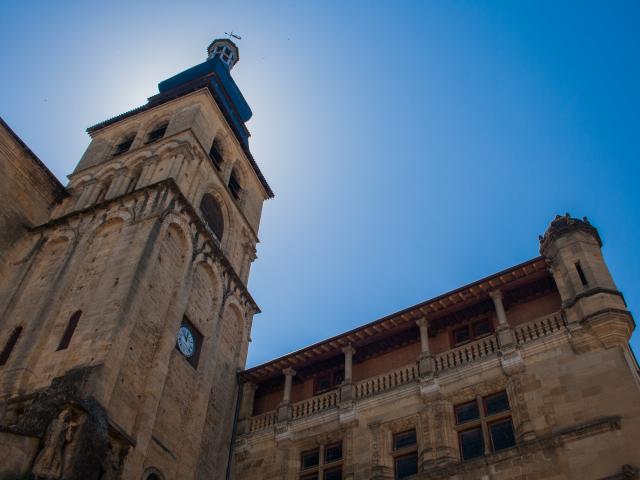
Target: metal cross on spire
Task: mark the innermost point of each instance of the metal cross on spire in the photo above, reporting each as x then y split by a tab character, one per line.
231	34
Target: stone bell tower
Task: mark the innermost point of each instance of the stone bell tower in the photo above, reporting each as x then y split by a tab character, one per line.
125	316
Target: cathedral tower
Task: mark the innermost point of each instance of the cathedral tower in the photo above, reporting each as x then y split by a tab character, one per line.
126	315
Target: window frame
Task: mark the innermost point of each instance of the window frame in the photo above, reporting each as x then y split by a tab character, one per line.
470	328
153	137
208	214
234	185
323	466
216	156
406	451
128	141
484	422
336	378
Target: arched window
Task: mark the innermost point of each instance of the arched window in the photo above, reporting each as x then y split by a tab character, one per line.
68	332
124	145
153	476
212	214
234	185
157	133
8	347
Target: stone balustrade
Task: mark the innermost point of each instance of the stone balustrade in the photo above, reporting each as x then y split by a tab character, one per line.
260	422
459	357
387	381
468	353
538	328
316	404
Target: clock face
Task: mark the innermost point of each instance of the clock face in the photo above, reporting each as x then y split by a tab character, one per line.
186	341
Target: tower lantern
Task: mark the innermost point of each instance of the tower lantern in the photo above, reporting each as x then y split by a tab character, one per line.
224	49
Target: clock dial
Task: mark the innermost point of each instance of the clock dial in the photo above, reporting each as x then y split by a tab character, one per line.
186	341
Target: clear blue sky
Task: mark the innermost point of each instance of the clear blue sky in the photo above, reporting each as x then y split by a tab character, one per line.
413	147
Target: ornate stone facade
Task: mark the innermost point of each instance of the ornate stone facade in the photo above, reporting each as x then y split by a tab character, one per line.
546	341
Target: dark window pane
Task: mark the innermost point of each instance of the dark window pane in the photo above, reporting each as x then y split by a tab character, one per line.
406	466
404	439
311	476
323	383
216	155
310	459
8	347
68	331
461	335
234	186
123	147
335	474
212	214
333	453
502	435
496	403
583	278
467	411
471	443
157	134
481	328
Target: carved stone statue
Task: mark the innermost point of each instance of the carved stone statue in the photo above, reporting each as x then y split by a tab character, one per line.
50	462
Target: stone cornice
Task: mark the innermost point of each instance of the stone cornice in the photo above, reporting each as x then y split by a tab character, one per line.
403	320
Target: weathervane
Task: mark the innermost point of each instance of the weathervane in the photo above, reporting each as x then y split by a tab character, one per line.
233	35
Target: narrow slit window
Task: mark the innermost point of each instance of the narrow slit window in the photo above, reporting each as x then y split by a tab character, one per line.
234	185
215	154
68	332
581	274
8	347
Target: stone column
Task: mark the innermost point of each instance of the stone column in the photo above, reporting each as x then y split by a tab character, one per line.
522	424
506	338
444	439
284	410
425	362
347	393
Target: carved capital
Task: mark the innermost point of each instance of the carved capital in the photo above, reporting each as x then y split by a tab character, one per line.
349	350
496	295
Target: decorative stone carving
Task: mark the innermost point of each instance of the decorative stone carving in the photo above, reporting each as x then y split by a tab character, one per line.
53	458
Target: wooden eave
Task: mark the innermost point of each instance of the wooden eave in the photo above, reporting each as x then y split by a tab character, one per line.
518	283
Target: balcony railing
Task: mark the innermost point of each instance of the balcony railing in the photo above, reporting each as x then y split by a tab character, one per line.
315	404
265	420
538	328
455	358
387	381
468	353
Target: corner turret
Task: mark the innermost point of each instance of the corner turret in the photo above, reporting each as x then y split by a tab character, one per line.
589	295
